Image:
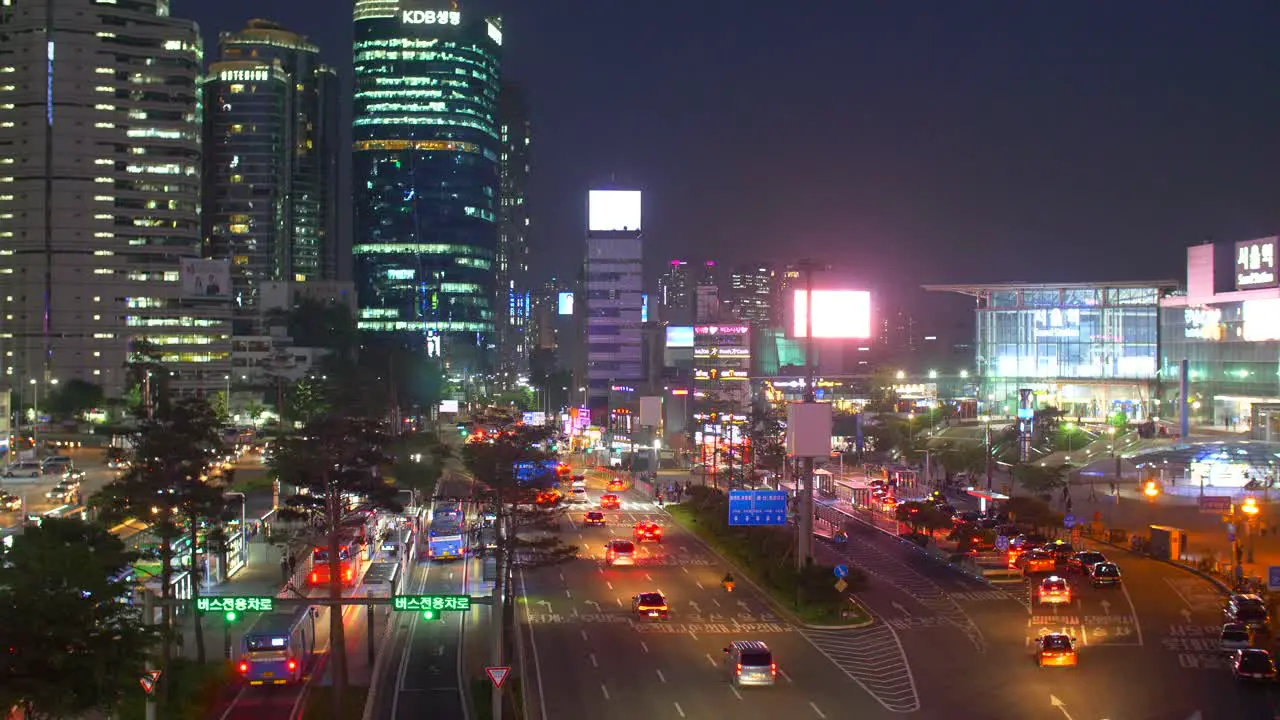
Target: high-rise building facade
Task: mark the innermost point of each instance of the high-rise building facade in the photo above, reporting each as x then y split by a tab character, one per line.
425	175
511	321
613	290
270	164
675	294
753	295
99	197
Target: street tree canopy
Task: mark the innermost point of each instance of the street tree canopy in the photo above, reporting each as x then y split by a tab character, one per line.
72	647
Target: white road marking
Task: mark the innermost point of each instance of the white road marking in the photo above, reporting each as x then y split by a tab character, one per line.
1133	611
594	664
784	674
710	660
679	709
644	646
561	574
695	637
1172	587
584	634
647	577
661	677
735	692
605	690
816	710
699	585
685	569
606	582
568	594
619	601
1084	635
717	602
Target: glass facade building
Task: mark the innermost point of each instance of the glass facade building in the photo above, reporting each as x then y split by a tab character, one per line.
1090	350
425	174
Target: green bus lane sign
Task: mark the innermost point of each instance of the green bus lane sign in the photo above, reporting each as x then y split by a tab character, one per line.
233	606
431	606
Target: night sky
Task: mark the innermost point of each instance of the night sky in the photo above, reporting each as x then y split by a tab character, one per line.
906	142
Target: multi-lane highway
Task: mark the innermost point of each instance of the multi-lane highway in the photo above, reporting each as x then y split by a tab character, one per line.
592	655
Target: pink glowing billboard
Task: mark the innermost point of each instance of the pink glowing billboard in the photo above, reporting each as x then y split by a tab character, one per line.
836	314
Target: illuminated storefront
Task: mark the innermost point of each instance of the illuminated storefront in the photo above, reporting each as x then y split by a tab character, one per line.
1227	328
1088	349
721	385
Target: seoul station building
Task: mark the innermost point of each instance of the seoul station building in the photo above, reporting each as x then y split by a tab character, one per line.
1090	349
425	175
1226	326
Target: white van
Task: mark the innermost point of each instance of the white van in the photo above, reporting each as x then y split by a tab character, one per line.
28	469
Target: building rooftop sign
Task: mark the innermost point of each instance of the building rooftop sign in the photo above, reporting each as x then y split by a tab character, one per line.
1256	264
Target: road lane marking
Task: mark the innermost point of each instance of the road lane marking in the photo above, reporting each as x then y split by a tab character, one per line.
685	569
562	575
618	599
699	584
695	637
710	660
1084	635
661	677
594	663
584	634
679	709
568	594
1137	624
647	577
537	661
605	690
606	582
735	692
717	602
784	674
644	646
1175	590
814	705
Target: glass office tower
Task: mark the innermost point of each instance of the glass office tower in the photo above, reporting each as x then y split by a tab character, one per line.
425	177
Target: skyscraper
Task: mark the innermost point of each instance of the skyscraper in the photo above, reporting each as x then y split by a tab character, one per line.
613	292
511	321
270	161
426	177
99	192
753	295
675	294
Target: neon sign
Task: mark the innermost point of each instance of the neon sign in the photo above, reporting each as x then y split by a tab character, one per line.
431	17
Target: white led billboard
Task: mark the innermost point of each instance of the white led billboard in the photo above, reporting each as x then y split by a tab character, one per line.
613	210
836	314
679	336
1261	320
565	303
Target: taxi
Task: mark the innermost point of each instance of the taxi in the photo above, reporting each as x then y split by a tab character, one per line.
595	517
616	485
1056	650
1053	591
1037	561
650	531
610	502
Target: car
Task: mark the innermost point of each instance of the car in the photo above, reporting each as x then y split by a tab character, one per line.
650	531
1060	550
1235	636
74	475
616	485
751	663
610	502
62	492
1053	590
1037	561
651	605
1084	560
1253	664
1056	650
595	517
1104	573
9	502
619	552
547	498
23	469
1249	610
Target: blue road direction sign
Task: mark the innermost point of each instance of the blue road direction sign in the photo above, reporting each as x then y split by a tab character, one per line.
1002	542
757	507
1068	521
842	571
1273	577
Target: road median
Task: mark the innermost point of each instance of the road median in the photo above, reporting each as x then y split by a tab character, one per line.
765	557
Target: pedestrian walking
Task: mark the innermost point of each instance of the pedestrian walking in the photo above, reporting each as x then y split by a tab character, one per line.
284	569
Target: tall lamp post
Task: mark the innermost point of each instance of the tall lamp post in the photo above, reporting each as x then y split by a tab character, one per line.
35	411
1115	456
986	447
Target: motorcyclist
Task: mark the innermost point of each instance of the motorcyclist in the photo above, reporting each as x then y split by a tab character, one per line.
727	582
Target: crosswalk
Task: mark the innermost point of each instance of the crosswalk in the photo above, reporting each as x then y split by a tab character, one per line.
925	591
872	657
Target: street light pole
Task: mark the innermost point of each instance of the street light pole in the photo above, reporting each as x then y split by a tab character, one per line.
805	526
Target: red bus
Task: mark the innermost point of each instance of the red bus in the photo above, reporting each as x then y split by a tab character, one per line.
348	564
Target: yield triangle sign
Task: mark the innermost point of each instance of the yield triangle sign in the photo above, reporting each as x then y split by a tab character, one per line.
148	681
498	675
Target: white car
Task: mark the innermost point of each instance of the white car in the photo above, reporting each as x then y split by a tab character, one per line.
1235	636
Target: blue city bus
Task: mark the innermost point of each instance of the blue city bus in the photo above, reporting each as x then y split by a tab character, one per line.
446	538
278	647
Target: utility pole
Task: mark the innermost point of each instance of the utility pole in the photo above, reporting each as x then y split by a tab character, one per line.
804	553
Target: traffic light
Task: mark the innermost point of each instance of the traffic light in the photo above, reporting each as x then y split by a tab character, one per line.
428	614
231	616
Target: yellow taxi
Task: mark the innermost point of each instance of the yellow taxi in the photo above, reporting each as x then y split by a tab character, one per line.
1053	590
1037	561
1056	650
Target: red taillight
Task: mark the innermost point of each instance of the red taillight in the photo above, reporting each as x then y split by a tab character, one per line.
346	574
773	668
739	670
244	668
315	578
293	664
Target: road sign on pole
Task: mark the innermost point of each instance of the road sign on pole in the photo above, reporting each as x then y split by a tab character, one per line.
148	681
757	507
1273	577
1068	521
841	571
841	586
497	675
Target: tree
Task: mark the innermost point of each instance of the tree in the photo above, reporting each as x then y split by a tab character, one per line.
767	434
165	486
957	457
147	374
1041	480
72	646
332	459
73	397
306	400
1032	511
